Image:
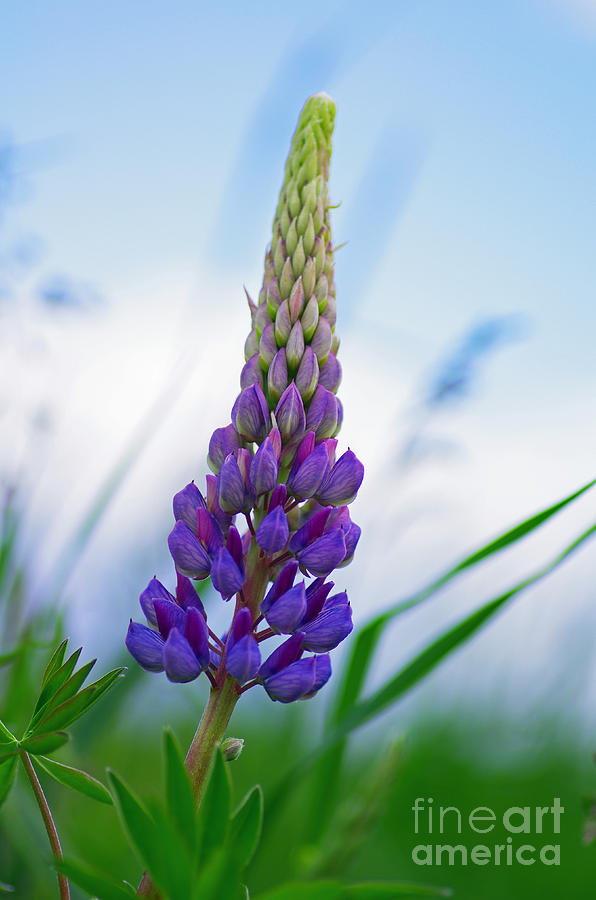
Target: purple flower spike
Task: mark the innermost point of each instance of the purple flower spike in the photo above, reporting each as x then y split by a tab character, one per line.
251	413
294	682
180	662
330	627
264	468
288	610
282	583
223	441
189	555
307	478
274	531
154	591
146	646
289	413
186	503
169	615
225	574
197	635
324	554
243	656
230	486
186	596
342	483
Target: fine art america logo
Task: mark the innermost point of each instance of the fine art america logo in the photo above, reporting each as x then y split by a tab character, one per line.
527	834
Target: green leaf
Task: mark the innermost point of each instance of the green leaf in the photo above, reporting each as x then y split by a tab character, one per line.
392	891
69	711
57	679
7	773
312	890
245	826
138	824
56	660
432	655
68	689
76	779
219	879
6	658
179	796
6	736
8	751
45	743
214	812
93	882
368	636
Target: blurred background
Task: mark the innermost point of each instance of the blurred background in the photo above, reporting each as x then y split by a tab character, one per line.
141	151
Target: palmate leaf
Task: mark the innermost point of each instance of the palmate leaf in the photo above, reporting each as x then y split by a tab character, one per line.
57	678
92	882
70	710
368	636
75	779
58	695
246	825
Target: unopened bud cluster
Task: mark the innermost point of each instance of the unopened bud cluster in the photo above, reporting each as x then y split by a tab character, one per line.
275	468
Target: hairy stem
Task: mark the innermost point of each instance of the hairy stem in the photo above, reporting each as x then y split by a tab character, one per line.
201	753
48	821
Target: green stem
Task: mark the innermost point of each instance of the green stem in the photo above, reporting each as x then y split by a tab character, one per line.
48	821
201	753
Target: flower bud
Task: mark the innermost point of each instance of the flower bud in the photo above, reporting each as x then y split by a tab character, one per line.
288	610
225	574
154	591
180	662
342	483
289	413
296	301
186	502
330	627
267	346
286	279
232	747
310	318
223	441
189	555
295	347
243	656
230	486
308	374
309	278
277	377
250	413
251	345
324	554
306	480
272	298
251	372
321	341
330	373
282	583
262	319
283	324
264	468
273	532
322	413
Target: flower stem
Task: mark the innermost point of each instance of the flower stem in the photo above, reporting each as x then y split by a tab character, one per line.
48	821
201	753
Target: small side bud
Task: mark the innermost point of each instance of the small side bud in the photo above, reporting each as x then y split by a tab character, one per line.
231	748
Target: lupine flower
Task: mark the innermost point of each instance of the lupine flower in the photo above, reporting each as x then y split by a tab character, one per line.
274	468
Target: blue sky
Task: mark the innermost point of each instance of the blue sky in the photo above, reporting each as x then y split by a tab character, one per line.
464	160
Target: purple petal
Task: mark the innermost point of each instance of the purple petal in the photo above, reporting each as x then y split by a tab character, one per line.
209	532
313	528
295	681
287	611
322	413
189	555
154	591
322	674
251	413
243	659
283	656
289	413
251	374
331	626
225	574
278	496
197	635
146	646
324	554
234	545
306	447
264	468
274	531
241	626
310	474
223	441
169	615
282	583
330	374
180	662
351	536
186	596
213	506
316	595
230	486
186	503
342	483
